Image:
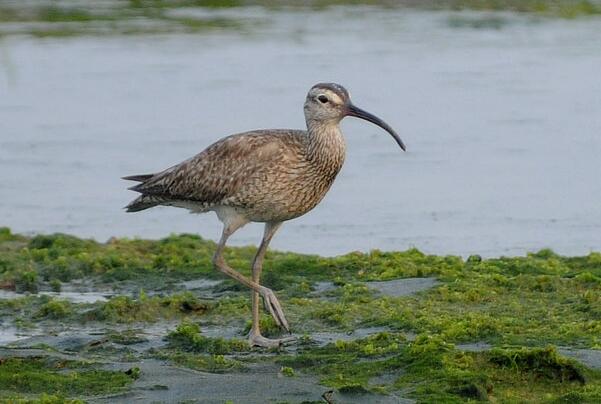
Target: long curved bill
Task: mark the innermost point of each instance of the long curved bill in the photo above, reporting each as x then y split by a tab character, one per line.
359	113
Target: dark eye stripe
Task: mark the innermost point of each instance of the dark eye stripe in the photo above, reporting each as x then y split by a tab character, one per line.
323	99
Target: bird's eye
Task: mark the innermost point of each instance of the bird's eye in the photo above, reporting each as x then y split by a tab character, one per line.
323	99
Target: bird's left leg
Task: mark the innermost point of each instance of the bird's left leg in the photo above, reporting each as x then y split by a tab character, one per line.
269	298
255	338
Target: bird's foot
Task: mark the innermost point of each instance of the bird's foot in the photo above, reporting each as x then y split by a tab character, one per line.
273	306
256	339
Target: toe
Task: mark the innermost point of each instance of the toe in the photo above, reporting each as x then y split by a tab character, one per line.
260	341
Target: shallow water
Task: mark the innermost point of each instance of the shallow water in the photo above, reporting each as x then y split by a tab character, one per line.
503	127
10	334
75	297
402	287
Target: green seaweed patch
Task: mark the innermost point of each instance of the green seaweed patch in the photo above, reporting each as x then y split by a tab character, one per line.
381	266
186	3
541	362
287	371
558	298
66	258
437	372
535	300
539	375
198	24
8	238
231	310
540	299
55	285
57	377
126	337
32	308
26	281
55	309
561	8
269	327
430	369
41	399
187	337
212	363
588	394
125	309
348	365
118	309
523	302
58	14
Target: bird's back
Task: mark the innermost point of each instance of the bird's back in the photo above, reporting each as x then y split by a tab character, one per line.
219	174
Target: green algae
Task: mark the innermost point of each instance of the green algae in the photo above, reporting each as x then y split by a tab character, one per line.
213	363
562	9
287	371
430	369
268	326
348	365
57	377
187	347
539	299
534	300
120	309
522	306
125	309
41	399
126	337
55	309
187	337
543	362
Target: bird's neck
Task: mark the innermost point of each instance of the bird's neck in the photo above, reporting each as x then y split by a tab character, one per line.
325	145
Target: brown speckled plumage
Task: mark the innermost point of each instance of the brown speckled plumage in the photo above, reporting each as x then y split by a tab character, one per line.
267	175
261	176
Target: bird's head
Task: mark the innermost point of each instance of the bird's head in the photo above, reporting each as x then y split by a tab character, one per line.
330	102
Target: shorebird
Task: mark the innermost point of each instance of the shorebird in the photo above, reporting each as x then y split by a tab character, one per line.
267	176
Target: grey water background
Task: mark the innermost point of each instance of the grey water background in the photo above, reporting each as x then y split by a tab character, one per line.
502	124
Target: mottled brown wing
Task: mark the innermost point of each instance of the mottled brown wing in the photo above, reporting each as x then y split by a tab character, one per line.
219	171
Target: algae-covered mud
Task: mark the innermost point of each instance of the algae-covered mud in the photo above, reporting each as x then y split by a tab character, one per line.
376	327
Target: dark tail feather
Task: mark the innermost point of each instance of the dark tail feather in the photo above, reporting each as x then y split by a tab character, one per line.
139	177
143	202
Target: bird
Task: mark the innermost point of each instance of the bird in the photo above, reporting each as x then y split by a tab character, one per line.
268	176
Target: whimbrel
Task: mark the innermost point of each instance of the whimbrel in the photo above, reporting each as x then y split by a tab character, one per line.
266	176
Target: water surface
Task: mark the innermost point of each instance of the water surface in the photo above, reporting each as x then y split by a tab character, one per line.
502	124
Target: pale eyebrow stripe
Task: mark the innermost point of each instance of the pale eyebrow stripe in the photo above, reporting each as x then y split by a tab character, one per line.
335	97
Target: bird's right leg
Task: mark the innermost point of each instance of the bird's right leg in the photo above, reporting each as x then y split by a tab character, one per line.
255	338
269	298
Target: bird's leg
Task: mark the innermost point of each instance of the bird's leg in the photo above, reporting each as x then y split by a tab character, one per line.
269	298
255	338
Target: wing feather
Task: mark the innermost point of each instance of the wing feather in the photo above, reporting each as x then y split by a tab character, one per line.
219	171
